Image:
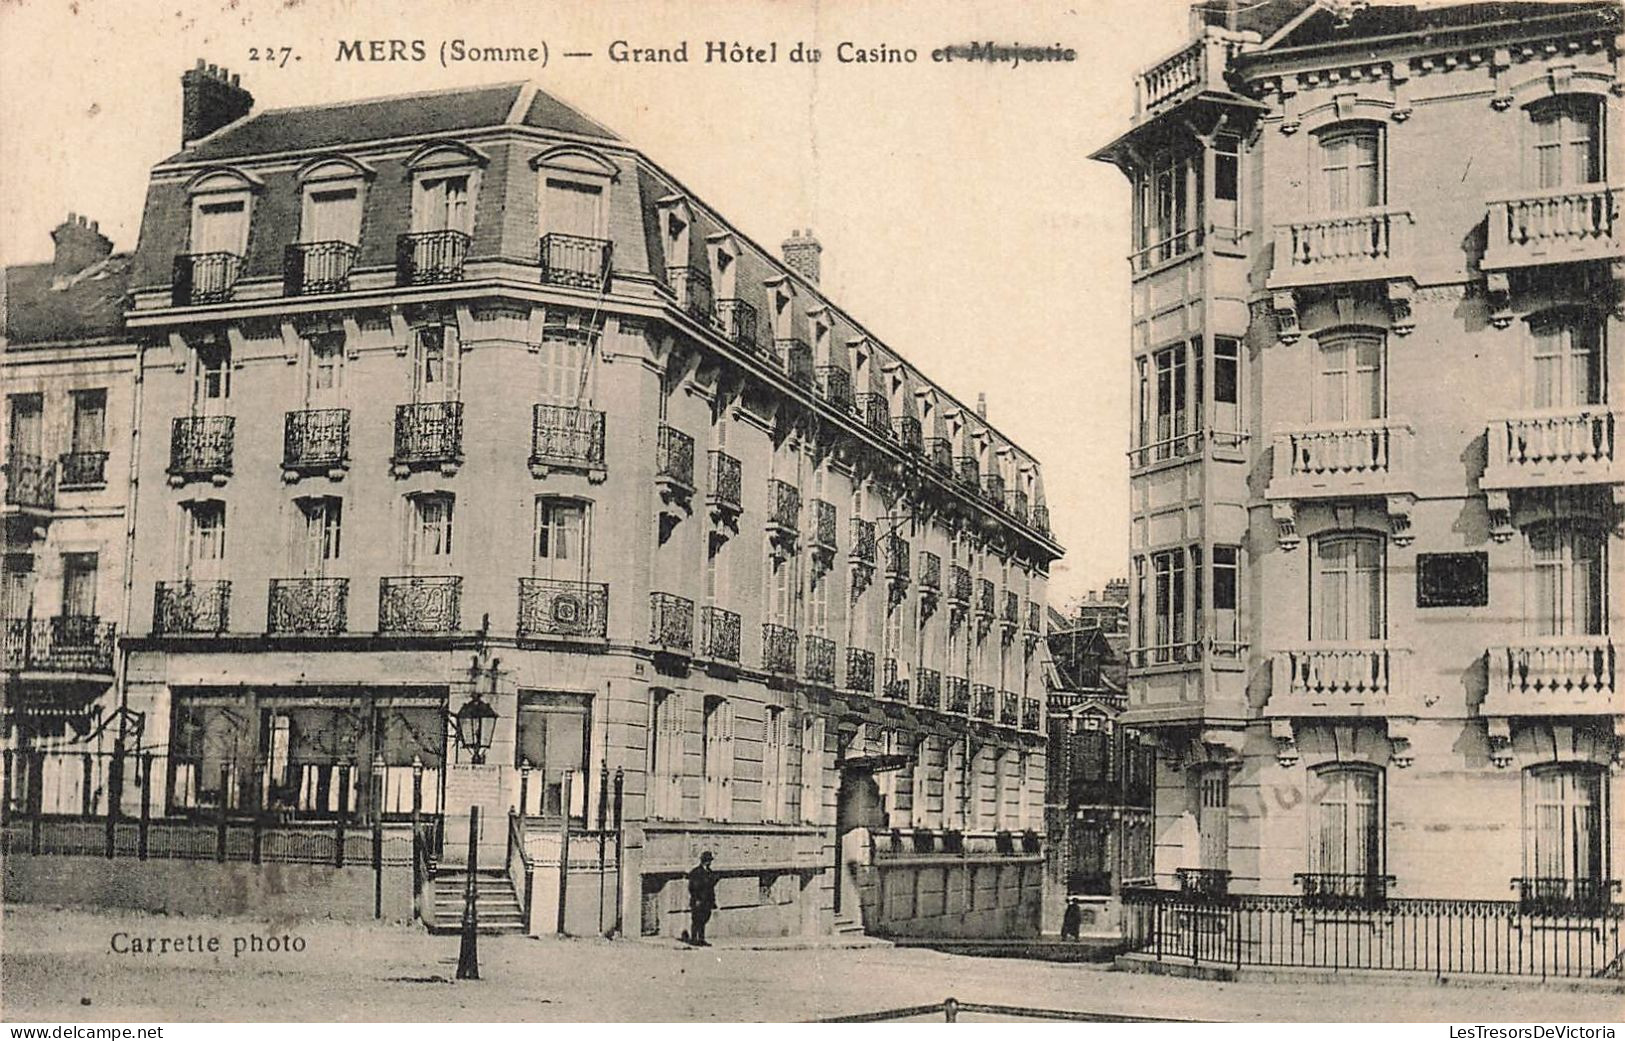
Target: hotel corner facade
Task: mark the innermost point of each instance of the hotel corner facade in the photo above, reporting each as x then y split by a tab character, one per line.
1377	483
460	398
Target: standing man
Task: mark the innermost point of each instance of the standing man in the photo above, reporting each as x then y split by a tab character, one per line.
702	899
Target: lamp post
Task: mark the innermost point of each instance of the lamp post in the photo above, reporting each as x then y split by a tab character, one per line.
476	726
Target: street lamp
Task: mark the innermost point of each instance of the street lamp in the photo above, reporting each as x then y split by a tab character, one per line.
476	720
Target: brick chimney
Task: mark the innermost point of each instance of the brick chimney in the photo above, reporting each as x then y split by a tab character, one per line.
79	244
211	97
981	404
801	251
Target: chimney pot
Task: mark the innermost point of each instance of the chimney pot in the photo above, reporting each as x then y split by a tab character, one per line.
981	404
79	245
210	98
200	63
801	252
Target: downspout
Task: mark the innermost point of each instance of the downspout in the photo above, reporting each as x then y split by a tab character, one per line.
120	658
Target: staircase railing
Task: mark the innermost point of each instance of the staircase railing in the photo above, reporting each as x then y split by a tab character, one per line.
520	857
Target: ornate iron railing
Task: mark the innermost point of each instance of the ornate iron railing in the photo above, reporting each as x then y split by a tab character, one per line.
860	670
561	436
719	634
419	604
983	701
863	541
893	684
82	469
1015	503
1041	519
1012	609
429	432
959	585
1009	708
671	622
797	357
928	688
967	471
692	288
909	433
984	597
930	571
897	557
66	643
1032	714
316	439
993	488
674	456
823	524
558	607
875	412
201	446
1340	891
738	322
307	605
727	480
836	385
309	268
30	481
424	258
779	649
957	694
820	664
784	505
1035	618
189	606
939	453
575	260
204	278
1551	897
1203	883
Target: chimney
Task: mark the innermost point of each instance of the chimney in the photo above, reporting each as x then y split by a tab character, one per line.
981	404
79	244
801	251
210	98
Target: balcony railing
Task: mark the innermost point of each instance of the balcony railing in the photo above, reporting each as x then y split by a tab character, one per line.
959	584
1015	503
928	688
779	649
939	454
784	505
875	412
1554	448
1035	618
930	571
1032	714
418	604
1041	519
671	622
909	433
1371	244
692	288
204	278
984	597
67	643
727	480
1009	708
737	320
557	607
863	541
984	701
309	268
1329	676
191	607
836	385
429	433
674	456
967	472
1553	897
993	489
576	261
893	684
200	447
820	664
82	469
719	634
30	482
860	670
316	440
1340	459
957	695
1576	675
566	438
307	605
797	358
1187	72
823	524
1203	883
1011	616
897	557
426	258
1343	892
1554	225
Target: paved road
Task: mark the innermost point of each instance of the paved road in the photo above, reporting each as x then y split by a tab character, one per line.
51	960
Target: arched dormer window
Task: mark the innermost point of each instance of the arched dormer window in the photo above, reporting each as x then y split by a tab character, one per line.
573	191
445	183
221	207
332	195
1350	173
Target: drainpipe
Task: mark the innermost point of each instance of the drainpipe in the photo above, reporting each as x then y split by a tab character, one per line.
120	657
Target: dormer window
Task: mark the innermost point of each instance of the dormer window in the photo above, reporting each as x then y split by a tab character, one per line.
220	226
218	238
574	185
441	204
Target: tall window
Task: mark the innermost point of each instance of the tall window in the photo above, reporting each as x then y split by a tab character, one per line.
1172	416
27	425
205	538
220	226
16	585
1226	631
1567	569
1565	141
1227	385
1226	181
717	742
433	358
89	432
567	359
775	746
331	215
1347	822
441	204
430	537
665	754
1213	818
1349	385
552	737
79	585
561	539
1166	208
1563	823
324	368
1168	606
1567	362
1346	588
571	208
1351	168
320	524
211	379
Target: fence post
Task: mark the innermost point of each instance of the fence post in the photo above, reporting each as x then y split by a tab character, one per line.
36	799
344	807
524	790
220	824
620	783
86	798
417	860
377	796
603	836
5	788
146	804
258	850
564	844
115	795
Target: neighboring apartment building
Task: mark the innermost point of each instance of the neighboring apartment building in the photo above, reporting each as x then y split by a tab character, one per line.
1377	346
460	398
69	376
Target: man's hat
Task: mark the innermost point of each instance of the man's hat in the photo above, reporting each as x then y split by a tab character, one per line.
706	855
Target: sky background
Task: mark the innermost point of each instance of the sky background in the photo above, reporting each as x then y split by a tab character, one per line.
962	220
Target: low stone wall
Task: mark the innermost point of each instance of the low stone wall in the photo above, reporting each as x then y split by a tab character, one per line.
952	896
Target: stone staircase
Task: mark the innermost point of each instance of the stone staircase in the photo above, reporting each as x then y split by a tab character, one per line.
495	901
848	925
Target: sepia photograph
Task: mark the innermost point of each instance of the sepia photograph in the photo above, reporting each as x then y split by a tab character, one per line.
949	511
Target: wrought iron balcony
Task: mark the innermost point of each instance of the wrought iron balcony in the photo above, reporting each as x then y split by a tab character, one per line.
82	469
564	438
204	278
1349	677
191	607
1555	448
1035	618
959	584
1009	708
939	454
30	482
200	448
1041	519
797	358
1015	503
316	440
1343	892
576	261
968	472
1368	245
80	644
1554	226
863	541
418	604
784	506
1554	675
426	258
727	481
860	670
909	433
1032	714
307	605
823	515
1555	897
779	649
309	268
875	412
957	694
671	622
820	666
1203	883
893	684
836	385
930	571
719	634
985	597
929	688
674	457
429	433
556	607
1011	617
897	557
984	701
692	288
993	488
1332	460
737	320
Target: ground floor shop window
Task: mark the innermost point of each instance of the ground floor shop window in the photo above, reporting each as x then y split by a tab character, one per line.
554	740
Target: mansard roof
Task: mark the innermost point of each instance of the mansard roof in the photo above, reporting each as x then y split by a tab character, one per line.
1323	27
86	306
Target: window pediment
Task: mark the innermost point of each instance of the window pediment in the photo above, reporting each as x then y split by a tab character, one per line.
223	179
334	168
578	160
1348	112
438	155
